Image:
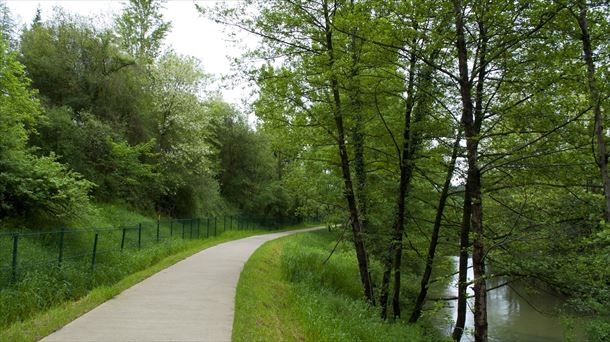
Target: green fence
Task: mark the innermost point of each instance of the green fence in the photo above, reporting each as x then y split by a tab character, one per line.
28	251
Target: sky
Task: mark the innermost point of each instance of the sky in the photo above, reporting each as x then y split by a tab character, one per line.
191	34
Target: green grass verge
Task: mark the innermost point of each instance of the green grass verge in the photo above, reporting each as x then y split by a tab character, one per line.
263	299
43	323
287	293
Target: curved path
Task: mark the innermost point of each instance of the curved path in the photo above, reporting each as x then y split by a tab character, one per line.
193	300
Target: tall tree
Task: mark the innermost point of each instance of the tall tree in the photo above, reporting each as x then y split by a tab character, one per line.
141	29
595	102
7	25
338	113
434	237
310	33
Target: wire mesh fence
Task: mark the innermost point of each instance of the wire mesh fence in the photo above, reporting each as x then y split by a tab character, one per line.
85	248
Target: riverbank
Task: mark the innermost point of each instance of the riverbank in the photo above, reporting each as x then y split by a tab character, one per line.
288	292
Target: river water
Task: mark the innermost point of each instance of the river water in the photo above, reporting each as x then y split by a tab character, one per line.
514	314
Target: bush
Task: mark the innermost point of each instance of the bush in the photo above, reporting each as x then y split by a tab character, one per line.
30	184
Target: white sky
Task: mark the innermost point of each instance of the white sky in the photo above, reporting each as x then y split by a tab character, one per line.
191	34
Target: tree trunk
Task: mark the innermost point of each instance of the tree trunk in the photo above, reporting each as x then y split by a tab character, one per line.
423	291
358	129
478	262
385	284
460	322
393	259
595	101
354	214
471	127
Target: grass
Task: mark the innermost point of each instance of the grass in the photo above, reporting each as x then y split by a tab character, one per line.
44	300
287	293
263	300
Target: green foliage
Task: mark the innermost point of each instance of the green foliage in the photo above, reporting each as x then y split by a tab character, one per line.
8	27
249	175
134	123
119	169
182	126
96	104
141	29
542	194
598	330
30	184
74	64
129	177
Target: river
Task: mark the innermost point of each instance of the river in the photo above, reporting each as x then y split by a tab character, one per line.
513	314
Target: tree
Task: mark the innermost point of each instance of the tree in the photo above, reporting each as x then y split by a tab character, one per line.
182	122
316	45
30	185
141	29
498	70
247	169
7	26
595	102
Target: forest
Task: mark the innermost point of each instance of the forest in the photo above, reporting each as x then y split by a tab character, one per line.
419	130
95	114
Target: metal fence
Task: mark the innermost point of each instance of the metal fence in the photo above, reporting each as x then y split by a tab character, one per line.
29	251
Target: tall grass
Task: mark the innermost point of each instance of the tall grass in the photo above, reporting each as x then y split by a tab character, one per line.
301	294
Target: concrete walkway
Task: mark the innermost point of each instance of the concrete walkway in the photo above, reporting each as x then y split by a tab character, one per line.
193	300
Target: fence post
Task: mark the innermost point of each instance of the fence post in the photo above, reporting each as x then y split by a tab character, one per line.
182	229
198	227
231	225
123	239
158	223
14	263
61	247
207	228
139	235
171	228
215	225
191	233
94	251
224	223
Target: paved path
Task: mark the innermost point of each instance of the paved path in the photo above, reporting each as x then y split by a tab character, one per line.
193	300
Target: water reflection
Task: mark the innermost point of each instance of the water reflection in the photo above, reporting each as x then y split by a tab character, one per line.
513	314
